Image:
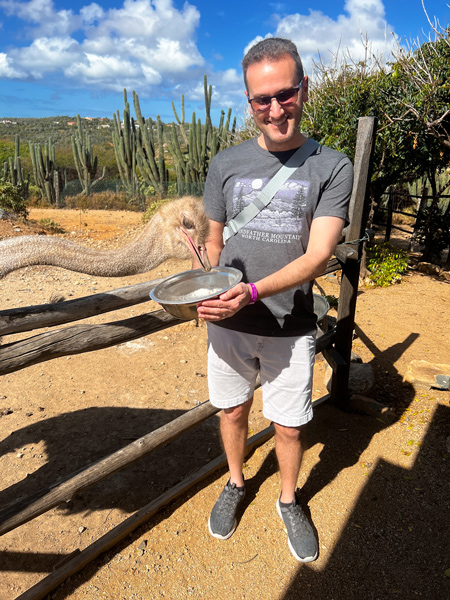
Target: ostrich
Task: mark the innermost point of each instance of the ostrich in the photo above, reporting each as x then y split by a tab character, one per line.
176	230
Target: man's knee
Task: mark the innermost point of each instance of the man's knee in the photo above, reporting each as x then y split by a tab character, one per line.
237	414
289	434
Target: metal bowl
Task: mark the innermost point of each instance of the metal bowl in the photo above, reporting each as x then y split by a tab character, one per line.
180	294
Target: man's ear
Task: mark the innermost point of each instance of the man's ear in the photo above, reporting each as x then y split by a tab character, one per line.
305	89
249	105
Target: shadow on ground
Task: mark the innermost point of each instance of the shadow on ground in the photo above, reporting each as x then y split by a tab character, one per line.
396	541
397	531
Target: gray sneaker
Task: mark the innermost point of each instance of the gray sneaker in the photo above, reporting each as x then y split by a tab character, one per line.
301	539
222	521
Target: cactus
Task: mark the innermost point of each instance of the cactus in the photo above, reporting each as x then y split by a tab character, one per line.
13	172
45	169
203	144
192	147
85	161
152	164
180	121
124	141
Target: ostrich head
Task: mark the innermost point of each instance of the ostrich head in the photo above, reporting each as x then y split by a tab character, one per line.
186	228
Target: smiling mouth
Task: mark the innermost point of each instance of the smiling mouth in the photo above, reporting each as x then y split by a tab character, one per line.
278	124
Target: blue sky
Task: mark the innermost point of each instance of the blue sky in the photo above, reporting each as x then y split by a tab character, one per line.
62	58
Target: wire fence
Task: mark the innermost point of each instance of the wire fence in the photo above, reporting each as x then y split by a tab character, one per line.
113	194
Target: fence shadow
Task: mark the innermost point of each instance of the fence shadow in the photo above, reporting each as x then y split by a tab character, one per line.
344	451
75	440
395	542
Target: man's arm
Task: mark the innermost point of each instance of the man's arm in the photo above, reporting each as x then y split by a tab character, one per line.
324	236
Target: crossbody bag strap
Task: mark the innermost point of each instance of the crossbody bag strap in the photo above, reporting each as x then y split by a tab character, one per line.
269	191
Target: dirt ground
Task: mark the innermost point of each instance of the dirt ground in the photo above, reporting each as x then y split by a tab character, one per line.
377	493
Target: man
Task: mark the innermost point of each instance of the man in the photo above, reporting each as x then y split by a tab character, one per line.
266	323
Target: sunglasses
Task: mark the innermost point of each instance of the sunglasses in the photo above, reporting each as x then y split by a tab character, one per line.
286	98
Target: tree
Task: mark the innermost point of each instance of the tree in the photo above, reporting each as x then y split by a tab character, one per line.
410	99
422	101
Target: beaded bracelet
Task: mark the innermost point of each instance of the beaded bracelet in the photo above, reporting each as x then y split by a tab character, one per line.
254	292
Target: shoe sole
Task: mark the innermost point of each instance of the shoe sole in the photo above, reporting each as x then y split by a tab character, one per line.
217	535
306	559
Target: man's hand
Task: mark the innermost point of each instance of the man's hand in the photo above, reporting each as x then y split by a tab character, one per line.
226	305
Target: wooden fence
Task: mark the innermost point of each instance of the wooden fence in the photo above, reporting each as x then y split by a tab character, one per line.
422	202
335	344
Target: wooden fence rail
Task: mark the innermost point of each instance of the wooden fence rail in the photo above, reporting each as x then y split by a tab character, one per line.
18	320
80	559
88	338
415	214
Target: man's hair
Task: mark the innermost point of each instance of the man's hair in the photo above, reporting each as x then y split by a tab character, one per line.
272	50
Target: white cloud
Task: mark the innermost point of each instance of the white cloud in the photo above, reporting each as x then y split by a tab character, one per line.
91	13
6	70
315	33
47	21
143	42
146	44
45	55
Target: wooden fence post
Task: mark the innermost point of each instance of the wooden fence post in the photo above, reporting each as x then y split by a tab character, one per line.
350	269
390	207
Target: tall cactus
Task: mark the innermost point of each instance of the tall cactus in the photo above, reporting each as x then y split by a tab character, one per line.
180	121
141	144
193	158
85	160
124	141
45	169
13	172
150	150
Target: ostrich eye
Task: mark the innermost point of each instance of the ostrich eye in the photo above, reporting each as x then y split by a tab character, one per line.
187	223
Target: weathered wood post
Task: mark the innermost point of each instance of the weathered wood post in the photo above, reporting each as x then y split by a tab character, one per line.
350	268
390	207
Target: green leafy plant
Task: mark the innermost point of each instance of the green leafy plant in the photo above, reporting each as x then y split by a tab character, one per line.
51	225
11	199
387	264
332	301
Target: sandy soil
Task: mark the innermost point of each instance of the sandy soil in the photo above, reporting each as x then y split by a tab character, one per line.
377	494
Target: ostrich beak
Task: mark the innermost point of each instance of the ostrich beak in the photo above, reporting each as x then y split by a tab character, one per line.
198	252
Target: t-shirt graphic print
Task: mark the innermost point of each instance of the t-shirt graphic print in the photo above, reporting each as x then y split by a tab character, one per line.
281	221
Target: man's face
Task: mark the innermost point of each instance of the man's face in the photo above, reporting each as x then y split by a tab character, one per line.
279	124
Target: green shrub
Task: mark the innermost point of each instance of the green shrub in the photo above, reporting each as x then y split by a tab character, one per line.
11	199
332	301
387	264
50	224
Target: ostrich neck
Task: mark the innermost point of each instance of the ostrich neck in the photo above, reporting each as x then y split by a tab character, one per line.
141	255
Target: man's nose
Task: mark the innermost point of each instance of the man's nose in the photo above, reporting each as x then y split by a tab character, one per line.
275	108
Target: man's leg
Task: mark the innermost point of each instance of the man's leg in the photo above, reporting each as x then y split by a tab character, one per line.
234	432
232	372
287	402
289	450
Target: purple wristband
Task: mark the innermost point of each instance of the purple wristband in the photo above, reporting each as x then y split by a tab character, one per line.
254	293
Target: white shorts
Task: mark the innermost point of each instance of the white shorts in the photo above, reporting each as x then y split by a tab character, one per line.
285	364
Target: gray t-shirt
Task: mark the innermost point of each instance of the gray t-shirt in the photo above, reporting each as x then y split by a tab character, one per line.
280	232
